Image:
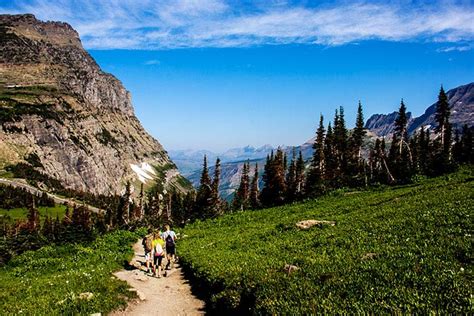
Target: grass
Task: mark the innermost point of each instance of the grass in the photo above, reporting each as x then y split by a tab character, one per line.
49	281
406	249
21	213
6	174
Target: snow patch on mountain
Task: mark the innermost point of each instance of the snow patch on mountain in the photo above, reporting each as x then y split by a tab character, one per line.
144	171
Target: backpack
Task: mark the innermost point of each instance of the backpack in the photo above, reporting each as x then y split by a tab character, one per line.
148	244
158	250
169	240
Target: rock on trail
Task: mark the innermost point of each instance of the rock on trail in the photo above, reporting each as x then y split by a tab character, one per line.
169	295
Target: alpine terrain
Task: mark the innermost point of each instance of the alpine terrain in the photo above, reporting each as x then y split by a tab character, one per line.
65	122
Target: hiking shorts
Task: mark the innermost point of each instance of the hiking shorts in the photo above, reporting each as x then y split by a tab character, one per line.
171	250
147	255
158	260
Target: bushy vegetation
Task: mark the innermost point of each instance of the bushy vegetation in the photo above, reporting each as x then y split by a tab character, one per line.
49	281
405	249
11	197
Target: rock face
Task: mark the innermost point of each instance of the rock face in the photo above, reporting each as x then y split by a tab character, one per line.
461	102
58	106
384	124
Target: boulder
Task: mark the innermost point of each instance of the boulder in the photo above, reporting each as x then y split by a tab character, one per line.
307	224
369	256
86	296
289	268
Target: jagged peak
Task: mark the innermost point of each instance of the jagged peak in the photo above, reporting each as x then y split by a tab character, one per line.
54	32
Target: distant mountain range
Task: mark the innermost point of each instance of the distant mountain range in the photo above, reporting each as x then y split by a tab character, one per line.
461	101
189	162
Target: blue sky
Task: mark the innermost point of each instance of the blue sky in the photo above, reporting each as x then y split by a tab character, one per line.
217	74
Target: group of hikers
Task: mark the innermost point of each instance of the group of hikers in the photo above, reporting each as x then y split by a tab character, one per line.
157	245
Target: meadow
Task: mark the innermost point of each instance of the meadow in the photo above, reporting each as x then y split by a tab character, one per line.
21	213
50	281
406	249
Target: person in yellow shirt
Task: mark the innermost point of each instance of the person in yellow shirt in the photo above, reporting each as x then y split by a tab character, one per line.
158	253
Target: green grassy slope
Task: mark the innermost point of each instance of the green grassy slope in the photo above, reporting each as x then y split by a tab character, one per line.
21	213
404	249
49	281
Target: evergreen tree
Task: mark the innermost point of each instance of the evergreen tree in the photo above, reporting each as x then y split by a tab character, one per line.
400	155
358	133
357	163
274	189
215	199
330	159
204	195
254	191
315	179
291	180
340	149
442	117
123	212
242	196
464	154
33	223
300	180
442	145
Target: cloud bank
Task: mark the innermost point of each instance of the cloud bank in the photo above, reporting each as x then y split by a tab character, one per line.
170	24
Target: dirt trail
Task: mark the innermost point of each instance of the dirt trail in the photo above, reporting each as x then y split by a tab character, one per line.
169	295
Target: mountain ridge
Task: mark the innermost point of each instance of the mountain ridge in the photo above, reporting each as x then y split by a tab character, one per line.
461	103
76	121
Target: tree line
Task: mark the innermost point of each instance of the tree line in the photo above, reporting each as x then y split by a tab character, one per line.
342	158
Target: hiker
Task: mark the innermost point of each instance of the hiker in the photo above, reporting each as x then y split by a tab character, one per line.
147	243
158	253
169	237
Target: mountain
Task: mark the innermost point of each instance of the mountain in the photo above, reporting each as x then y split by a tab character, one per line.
461	102
189	161
384	124
62	118
232	169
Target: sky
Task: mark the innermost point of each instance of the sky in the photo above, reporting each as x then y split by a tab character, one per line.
218	74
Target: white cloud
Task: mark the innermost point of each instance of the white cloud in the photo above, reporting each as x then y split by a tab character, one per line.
461	48
152	62
163	24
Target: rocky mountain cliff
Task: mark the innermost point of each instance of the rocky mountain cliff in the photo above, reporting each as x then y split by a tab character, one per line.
67	119
461	101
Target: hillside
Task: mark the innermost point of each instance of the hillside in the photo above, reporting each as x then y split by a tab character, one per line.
461	102
401	249
63	119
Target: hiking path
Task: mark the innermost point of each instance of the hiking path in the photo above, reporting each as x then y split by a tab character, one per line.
170	295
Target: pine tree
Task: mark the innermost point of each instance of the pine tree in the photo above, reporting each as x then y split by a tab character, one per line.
215	199
279	186
274	189
300	180
358	133
33	224
442	116
254	191
316	175
291	180
204	194
125	205
340	148
330	159
357	163
465	151
242	196
442	146
400	154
